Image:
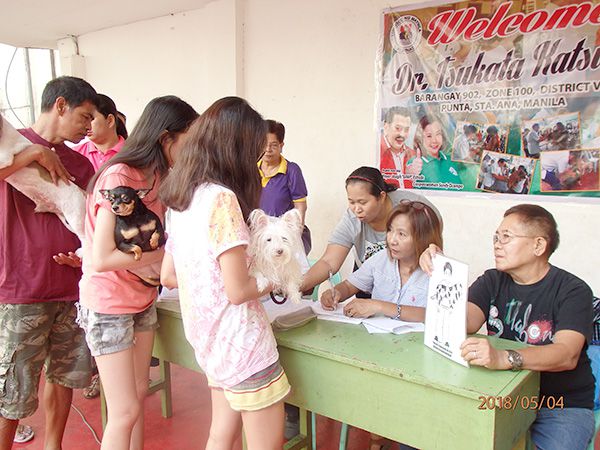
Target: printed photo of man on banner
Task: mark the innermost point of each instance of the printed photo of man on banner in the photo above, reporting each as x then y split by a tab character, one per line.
491	96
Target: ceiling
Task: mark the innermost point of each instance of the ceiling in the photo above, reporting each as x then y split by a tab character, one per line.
40	23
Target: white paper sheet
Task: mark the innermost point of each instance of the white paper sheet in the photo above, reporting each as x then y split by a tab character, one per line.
337	315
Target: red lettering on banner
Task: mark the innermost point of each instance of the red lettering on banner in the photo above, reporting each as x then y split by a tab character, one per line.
445	29
496	18
539	21
475	30
595	16
449	26
566	13
512	21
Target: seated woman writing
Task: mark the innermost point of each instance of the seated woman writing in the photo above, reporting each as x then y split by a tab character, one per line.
363	225
397	285
393	277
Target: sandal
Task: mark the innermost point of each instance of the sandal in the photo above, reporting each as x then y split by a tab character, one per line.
23	434
93	390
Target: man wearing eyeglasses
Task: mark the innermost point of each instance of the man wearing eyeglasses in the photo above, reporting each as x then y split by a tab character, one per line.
526	299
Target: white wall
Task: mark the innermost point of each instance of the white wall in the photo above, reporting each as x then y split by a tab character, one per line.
194	55
310	65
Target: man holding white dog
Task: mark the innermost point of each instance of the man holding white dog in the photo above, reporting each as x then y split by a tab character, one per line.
39	271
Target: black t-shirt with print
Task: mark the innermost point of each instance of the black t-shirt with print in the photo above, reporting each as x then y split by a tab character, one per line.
532	314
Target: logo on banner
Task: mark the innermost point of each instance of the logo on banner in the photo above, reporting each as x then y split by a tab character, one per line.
406	34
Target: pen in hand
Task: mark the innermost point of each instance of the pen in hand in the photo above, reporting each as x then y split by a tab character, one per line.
335	295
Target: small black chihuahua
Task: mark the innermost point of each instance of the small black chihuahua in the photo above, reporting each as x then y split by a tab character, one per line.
137	229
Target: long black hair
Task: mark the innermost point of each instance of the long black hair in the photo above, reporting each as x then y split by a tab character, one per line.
222	147
143	149
106	106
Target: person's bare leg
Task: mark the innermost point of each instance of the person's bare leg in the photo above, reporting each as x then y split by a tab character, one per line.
118	381
142	353
226	424
8	428
259	437
57	405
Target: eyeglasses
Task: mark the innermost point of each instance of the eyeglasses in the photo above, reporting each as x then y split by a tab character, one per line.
505	238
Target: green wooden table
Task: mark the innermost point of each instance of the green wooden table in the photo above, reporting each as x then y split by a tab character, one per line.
390	385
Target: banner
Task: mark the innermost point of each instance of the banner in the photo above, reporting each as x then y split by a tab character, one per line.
491	96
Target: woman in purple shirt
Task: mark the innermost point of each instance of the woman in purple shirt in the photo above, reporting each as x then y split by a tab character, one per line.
283	186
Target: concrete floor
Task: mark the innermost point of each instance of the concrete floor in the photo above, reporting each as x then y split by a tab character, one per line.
186	430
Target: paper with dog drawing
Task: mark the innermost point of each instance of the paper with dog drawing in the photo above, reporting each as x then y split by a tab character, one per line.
446	314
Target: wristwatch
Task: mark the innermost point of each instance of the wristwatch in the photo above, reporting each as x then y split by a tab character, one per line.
515	360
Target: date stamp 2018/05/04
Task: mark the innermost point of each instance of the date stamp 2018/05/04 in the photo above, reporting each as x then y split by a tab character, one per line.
523	402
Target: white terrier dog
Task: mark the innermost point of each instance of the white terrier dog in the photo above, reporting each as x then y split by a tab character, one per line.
67	201
274	243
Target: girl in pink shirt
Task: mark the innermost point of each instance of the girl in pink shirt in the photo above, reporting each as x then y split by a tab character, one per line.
107	135
117	309
211	190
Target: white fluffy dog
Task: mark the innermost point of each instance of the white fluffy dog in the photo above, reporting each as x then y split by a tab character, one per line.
67	201
274	243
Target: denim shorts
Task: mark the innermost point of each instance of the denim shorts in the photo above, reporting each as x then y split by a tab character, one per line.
32	336
560	429
112	333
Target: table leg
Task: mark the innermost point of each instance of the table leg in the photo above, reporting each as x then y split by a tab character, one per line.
165	395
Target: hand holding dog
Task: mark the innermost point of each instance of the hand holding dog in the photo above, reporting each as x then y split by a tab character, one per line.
50	161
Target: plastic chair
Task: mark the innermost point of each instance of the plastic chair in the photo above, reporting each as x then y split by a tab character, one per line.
336	279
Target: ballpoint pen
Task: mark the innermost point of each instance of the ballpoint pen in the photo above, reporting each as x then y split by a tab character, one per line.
332	283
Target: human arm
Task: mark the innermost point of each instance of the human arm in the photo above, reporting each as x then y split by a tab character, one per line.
297	188
239	285
12	142
44	156
475	318
105	254
331	297
561	355
168	277
301	206
426	258
367	307
331	261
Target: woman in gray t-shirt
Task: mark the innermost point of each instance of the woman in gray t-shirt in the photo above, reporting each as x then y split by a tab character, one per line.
363	225
393	277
